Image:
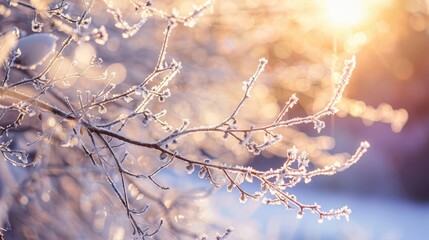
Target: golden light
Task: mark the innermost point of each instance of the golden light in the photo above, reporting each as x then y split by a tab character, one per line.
346	12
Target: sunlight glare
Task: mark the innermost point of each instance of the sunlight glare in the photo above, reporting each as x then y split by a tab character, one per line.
345	12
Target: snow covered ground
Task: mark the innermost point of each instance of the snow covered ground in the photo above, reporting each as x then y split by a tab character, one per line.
372	218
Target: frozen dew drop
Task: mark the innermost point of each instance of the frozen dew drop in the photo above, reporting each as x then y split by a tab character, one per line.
230	187
145	122
36	26
86	22
299	215
202	173
190	168
163	157
225	136
320	220
243	198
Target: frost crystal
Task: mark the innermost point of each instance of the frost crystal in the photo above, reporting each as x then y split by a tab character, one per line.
319	125
128	99
36	26
249	177
102	109
138	90
100	35
292	152
239	178
31	112
303	160
191	23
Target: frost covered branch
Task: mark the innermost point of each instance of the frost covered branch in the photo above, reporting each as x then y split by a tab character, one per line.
94	130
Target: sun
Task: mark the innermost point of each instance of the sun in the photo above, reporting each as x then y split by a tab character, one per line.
346	13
